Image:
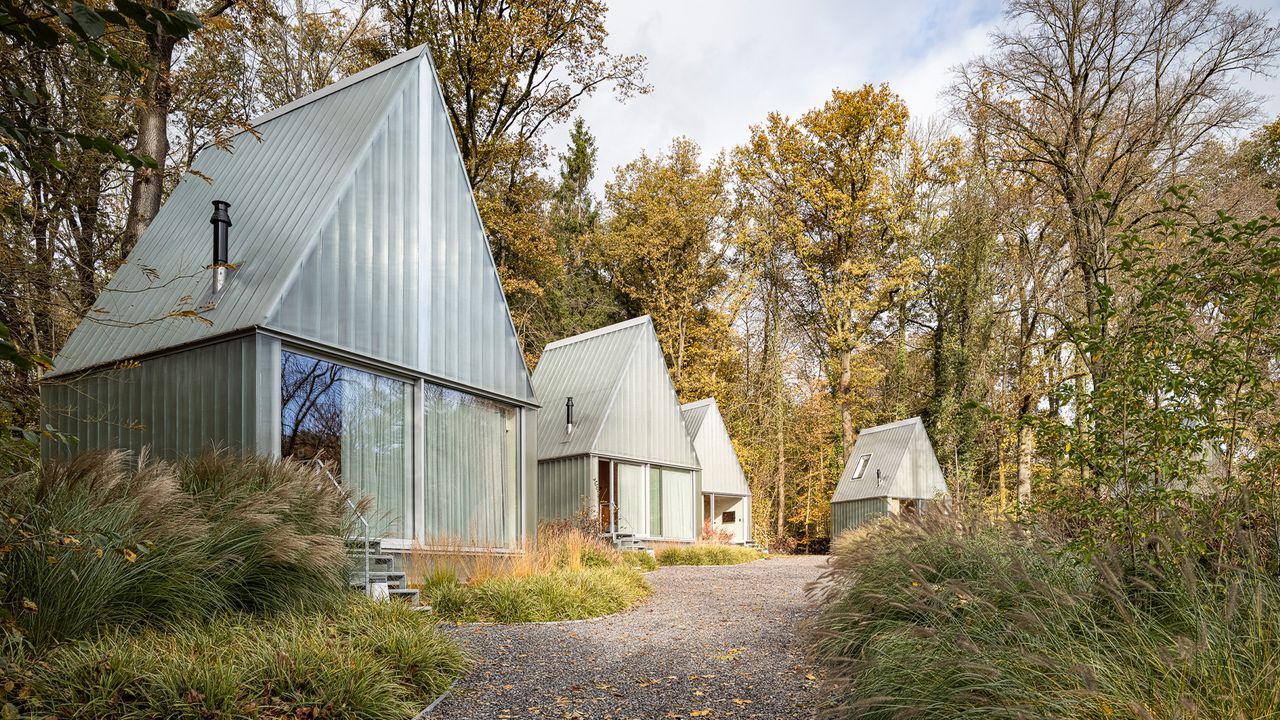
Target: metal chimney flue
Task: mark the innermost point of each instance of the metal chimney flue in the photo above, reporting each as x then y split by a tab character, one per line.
568	415
221	221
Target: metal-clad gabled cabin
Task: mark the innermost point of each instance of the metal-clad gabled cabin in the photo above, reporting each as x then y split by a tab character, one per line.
611	438
354	315
892	469
726	498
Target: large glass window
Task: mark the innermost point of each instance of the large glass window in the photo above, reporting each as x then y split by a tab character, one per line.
357	423
472	493
677	504
631	508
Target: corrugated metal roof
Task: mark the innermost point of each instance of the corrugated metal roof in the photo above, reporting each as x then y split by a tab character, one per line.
902	464
694	414
280	188
588	368
721	471
624	402
354	226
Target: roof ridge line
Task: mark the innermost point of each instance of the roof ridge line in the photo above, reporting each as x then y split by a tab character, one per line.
607	329
891	425
699	403
327	90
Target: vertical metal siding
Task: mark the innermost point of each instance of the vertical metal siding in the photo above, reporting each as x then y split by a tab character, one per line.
401	269
589	370
564	485
356	289
721	471
529	473
175	404
854	513
647	400
468	336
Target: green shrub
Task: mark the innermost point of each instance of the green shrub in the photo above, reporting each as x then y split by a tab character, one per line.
570	575
561	594
640	559
949	619
364	660
705	554
96	543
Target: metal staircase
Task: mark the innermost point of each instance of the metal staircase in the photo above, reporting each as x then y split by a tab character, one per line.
372	571
626	541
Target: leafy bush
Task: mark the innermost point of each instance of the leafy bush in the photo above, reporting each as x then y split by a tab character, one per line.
363	660
97	543
570	575
949	619
713	534
705	554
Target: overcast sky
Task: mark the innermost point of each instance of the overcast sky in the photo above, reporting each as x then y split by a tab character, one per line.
718	66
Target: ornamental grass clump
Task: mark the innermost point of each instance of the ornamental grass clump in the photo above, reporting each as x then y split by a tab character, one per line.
569	575
107	542
951	618
363	659
705	554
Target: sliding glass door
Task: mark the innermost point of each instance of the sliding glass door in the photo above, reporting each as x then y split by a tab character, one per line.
360	424
653	501
631	498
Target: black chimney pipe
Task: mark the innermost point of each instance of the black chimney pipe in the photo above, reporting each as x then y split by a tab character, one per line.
568	413
221	230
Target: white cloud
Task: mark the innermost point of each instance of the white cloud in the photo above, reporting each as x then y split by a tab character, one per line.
719	66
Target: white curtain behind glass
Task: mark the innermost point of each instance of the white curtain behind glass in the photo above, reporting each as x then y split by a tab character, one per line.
357	423
677	504
471	494
631	487
374	453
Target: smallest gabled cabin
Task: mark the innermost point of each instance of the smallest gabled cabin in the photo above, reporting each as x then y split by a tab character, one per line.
726	498
892	469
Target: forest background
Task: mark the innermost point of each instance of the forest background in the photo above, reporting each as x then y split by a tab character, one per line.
1072	279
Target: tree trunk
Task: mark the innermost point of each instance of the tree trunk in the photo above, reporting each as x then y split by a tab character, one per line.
848	432
153	135
780	473
1026	457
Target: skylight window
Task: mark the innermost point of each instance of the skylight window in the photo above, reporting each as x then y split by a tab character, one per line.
861	468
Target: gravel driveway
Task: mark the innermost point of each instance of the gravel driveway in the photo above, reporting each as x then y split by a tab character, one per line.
715	642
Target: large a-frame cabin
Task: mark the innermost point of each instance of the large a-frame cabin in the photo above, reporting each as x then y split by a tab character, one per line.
354	315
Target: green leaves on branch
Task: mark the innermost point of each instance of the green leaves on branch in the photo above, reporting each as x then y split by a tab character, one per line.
43	26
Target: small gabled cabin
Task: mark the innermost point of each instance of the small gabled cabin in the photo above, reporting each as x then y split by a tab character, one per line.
611	438
892	469
350	312
726	498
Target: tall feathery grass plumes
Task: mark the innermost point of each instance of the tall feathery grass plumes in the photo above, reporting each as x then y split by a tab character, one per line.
568	575
949	618
105	541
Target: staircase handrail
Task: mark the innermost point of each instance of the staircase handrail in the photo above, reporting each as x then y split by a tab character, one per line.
359	516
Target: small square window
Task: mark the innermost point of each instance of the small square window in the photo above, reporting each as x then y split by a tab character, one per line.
728	516
861	468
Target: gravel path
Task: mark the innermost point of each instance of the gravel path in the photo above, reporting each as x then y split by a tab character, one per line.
715	642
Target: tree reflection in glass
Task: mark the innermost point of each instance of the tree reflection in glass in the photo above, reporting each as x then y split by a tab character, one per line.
355	422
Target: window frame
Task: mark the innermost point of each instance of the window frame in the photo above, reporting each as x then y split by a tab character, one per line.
413	428
860	470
